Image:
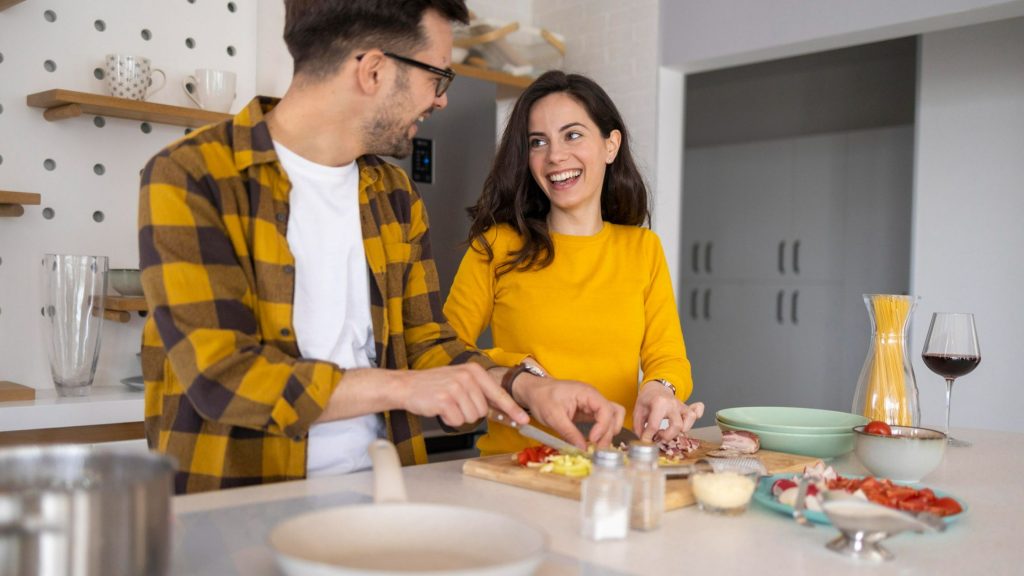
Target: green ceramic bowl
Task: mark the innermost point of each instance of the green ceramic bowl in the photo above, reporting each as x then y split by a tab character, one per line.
810	444
789	420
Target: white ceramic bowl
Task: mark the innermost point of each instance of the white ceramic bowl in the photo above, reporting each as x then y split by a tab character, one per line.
906	456
125	281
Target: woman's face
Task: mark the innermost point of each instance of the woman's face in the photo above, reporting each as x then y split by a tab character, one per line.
568	154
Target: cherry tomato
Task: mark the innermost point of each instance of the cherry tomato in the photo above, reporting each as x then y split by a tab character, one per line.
878	427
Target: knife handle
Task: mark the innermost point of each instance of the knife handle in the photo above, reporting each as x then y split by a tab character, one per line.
502	418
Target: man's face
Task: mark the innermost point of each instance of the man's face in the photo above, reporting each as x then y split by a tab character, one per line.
412	97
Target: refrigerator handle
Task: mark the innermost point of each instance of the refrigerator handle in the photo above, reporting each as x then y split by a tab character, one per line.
782	257
707	257
694	256
707	303
796	256
693	303
778	306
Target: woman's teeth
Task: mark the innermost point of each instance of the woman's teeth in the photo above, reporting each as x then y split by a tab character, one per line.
563	176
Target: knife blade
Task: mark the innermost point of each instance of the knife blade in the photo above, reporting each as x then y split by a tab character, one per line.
623	436
537	434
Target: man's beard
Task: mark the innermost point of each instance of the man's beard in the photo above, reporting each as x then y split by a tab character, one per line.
387	134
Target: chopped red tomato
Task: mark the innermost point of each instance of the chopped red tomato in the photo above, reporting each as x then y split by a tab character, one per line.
897	496
535	454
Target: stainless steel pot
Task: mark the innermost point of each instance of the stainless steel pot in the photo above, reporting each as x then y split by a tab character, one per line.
76	511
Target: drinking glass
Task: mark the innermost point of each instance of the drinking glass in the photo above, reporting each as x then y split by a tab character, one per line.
74	289
951	350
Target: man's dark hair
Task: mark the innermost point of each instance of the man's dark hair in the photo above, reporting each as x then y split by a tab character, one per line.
321	34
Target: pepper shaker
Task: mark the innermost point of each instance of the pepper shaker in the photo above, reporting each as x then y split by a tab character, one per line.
648	486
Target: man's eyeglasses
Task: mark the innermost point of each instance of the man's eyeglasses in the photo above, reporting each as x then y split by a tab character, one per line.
446	75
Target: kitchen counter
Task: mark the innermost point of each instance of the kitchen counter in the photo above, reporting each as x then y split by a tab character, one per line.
225	533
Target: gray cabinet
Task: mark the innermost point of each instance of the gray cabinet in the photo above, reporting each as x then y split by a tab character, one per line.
780	239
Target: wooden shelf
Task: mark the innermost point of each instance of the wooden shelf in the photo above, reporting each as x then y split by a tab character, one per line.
489	75
13	203
61	104
119	308
5	4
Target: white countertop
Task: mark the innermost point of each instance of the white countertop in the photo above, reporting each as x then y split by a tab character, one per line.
225	532
104	405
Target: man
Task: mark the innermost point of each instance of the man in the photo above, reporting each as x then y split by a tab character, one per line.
289	275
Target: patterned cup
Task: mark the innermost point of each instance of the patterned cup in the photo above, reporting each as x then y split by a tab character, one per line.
131	77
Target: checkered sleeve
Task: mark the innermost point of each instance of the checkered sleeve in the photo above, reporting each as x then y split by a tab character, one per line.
430	340
205	311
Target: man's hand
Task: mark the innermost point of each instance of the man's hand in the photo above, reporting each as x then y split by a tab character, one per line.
557	403
656	403
458	394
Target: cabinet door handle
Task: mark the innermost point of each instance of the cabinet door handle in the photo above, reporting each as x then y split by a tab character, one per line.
693	304
796	256
778	306
793	306
707	303
707	257
694	256
782	257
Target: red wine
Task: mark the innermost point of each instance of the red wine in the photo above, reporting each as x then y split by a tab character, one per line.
951	365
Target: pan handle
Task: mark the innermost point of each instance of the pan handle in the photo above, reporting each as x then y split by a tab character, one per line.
388	485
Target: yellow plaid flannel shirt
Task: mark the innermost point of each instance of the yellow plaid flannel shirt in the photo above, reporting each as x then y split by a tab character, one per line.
227	393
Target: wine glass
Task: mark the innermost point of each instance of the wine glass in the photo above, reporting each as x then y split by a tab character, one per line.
951	350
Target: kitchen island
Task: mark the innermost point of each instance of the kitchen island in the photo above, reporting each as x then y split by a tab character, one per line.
224	533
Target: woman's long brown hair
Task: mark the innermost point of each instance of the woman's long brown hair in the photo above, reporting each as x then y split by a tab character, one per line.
511	196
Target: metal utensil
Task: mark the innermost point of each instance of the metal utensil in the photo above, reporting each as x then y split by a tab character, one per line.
622	438
537	434
801	503
863	525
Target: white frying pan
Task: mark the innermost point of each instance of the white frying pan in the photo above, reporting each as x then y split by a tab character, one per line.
395	537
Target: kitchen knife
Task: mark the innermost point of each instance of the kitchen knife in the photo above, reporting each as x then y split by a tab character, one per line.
537	434
624	436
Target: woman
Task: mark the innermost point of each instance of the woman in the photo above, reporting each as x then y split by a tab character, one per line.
562	270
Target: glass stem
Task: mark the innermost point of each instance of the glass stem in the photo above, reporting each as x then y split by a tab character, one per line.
949	396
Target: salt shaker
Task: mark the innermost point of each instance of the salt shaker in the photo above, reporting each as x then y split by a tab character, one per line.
606	498
648	486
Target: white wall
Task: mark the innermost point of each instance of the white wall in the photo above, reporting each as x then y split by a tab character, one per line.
700	35
75	189
969	202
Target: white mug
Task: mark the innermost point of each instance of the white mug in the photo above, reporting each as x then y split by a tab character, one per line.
211	89
131	77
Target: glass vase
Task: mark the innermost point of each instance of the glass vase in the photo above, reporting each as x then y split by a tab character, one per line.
887	388
73	301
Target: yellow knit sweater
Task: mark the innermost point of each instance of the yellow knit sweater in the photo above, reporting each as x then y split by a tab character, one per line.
603	313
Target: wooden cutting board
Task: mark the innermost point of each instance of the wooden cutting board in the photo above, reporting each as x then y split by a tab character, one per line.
503	468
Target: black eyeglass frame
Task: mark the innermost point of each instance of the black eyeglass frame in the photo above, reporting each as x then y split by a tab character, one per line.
447	74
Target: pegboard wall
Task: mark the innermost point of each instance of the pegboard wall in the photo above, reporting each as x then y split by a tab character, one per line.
87	168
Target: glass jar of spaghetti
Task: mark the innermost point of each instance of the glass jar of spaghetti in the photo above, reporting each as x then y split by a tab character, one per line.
887	388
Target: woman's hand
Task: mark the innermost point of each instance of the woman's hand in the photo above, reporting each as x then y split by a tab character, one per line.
656	403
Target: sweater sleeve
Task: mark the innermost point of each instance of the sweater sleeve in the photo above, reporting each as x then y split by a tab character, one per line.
663	353
471	301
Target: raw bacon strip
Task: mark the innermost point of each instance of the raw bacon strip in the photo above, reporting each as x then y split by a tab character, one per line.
741	441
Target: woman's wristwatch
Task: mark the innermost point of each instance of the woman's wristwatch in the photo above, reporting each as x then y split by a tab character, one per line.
515	371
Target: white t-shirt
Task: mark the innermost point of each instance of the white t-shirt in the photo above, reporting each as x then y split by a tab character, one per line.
332	298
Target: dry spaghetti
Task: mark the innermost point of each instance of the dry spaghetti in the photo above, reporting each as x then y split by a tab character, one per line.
886	397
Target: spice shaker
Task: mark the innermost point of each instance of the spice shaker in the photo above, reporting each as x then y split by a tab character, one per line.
606	498
648	486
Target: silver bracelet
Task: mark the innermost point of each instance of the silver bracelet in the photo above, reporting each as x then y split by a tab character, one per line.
671	387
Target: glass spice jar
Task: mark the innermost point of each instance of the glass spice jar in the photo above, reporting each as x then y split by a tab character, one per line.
648	486
605	498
